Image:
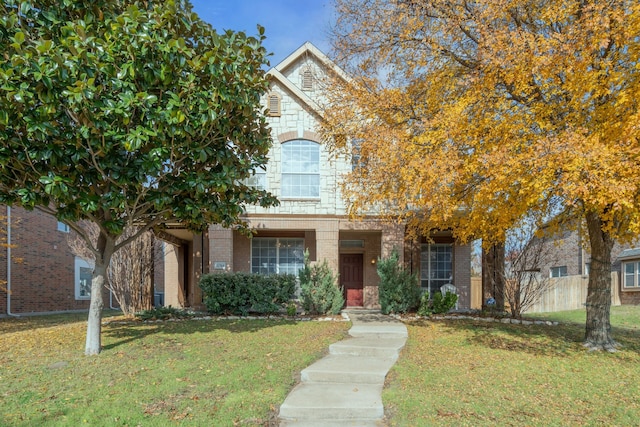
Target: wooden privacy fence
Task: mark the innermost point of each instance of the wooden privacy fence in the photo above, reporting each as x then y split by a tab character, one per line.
570	293
476	293
564	293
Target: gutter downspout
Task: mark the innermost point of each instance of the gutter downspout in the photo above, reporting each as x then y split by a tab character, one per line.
9	313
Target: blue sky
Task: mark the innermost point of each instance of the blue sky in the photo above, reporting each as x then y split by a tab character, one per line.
288	23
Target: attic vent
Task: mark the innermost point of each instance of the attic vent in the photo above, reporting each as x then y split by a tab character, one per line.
307	80
274	105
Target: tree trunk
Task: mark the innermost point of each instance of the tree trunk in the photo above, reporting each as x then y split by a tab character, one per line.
493	275
93	343
598	326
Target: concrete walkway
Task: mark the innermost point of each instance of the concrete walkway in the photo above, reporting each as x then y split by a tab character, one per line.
345	387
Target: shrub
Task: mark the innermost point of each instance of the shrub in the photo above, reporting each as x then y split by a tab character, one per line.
242	293
320	293
425	308
398	288
439	305
442	304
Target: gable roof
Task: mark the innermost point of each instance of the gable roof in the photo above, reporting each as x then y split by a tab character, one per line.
307	49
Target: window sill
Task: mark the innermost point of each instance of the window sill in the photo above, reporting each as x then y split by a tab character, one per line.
299	199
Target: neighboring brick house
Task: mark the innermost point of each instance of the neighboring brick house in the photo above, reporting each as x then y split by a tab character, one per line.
43	275
566	254
312	214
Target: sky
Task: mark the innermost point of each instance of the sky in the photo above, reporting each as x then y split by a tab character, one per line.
288	23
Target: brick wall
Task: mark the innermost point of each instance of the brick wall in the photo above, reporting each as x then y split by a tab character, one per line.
42	271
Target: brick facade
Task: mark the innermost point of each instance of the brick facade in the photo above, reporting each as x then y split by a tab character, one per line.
42	268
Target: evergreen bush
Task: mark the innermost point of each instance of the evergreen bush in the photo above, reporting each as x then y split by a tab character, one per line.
398	288
320	293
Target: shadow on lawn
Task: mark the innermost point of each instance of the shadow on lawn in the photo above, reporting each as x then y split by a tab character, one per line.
125	332
30	321
540	340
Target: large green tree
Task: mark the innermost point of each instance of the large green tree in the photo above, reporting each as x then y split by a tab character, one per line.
473	114
128	113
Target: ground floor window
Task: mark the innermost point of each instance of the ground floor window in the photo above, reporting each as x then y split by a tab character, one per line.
272	255
83	275
436	267
558	271
631	274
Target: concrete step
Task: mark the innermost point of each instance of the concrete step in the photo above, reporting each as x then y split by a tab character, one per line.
369	347
320	402
379	330
348	369
331	423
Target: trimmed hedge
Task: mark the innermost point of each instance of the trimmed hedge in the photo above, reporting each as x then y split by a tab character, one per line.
243	293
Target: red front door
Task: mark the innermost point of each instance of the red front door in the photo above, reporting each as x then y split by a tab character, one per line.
351	279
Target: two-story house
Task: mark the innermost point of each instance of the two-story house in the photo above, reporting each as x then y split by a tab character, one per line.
312	215
39	272
565	252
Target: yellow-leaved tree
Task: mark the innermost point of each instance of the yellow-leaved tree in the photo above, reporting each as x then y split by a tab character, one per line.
471	115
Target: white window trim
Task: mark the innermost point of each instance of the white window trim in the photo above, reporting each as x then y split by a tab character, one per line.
278	245
78	264
258	179
429	269
636	275
304	173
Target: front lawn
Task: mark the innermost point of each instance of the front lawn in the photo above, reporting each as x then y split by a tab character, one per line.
461	372
188	373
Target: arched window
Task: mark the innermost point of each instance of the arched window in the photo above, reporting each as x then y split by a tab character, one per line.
301	169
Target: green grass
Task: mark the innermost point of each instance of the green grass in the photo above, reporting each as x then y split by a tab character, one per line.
467	373
187	373
624	316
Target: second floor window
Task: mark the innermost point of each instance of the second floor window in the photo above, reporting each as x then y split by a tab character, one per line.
258	180
301	169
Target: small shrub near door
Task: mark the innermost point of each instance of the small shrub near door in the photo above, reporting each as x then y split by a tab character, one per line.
398	288
320	293
438	305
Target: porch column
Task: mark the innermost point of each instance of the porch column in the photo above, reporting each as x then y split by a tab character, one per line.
327	244
393	237
220	249
173	276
